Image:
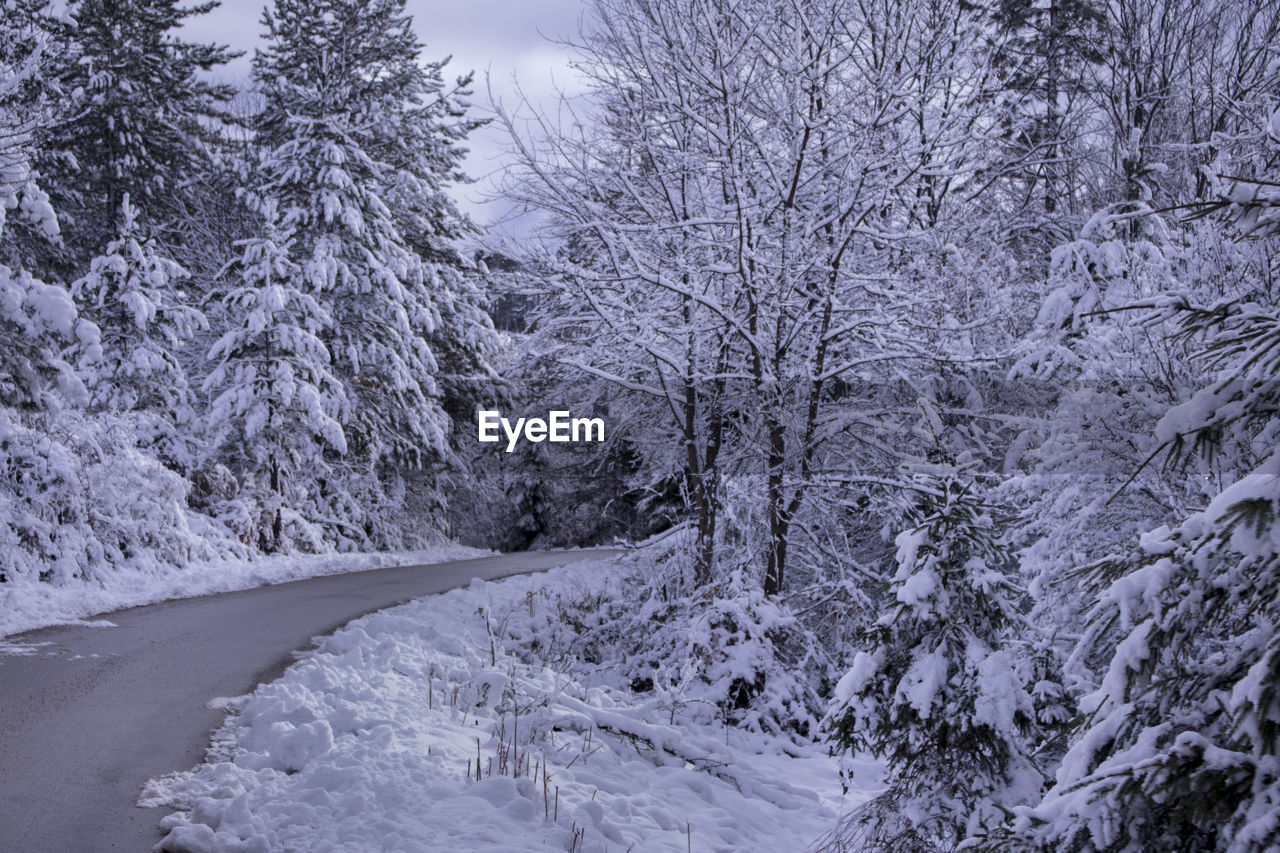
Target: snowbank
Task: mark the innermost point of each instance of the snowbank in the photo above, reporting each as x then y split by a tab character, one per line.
27	603
467	721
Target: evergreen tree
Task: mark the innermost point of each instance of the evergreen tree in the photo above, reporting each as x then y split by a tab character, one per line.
1049	44
278	404
421	147
36	319
135	122
936	691
28	101
359	141
354	124
131	293
1179	748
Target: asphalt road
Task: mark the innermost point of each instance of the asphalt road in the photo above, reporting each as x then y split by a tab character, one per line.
88	718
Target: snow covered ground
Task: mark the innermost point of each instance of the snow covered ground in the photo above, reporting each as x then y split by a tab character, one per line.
459	723
27	603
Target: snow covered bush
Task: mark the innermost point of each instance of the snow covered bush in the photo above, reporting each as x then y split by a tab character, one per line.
724	653
36	321
1180	748
729	649
936	690
82	503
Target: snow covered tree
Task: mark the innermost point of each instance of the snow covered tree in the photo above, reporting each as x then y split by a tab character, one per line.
79	500
28	102
1178	88
711	252
132	293
277	410
1044	58
36	319
419	144
936	690
353	124
1109	372
1183	735
134	120
1180	742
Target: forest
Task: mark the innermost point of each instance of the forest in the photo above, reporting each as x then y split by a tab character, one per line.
938	340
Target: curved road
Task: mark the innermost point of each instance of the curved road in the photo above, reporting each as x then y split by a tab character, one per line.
97	711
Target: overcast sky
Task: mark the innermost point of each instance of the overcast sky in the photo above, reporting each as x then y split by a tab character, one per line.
507	39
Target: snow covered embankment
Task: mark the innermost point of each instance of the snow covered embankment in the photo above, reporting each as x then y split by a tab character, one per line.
423	728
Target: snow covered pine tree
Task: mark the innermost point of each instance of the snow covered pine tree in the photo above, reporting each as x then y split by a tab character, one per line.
132	294
936	691
1179	747
132	118
351	121
278	403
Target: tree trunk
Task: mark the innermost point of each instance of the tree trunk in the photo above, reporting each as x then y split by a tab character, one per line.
776	559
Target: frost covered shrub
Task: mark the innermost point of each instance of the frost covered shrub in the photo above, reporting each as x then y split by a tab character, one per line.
722	653
728	649
82	502
936	691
